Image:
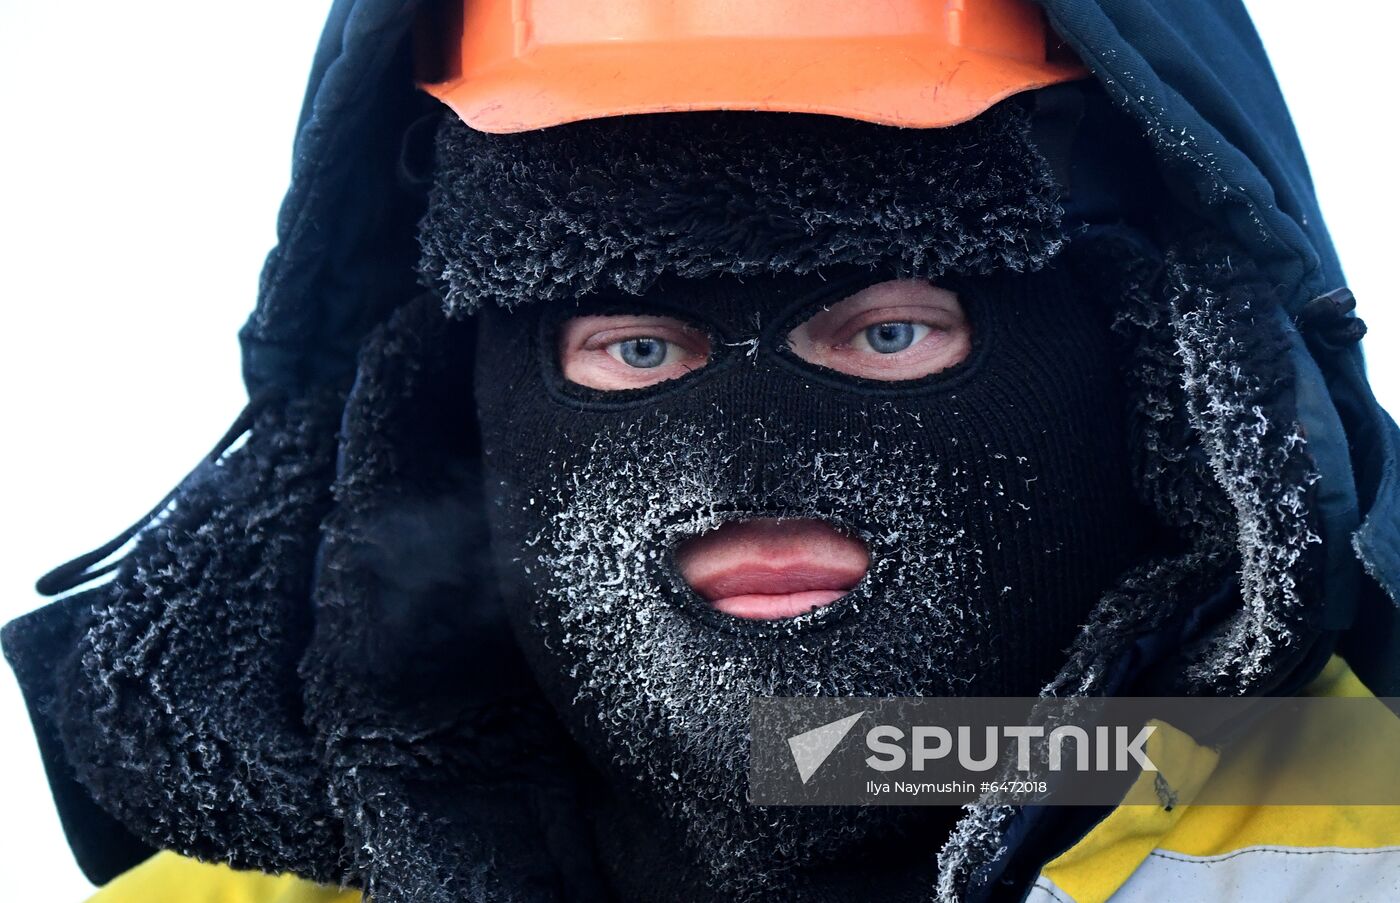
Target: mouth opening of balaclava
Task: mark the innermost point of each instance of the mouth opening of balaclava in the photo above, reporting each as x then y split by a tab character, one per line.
994	498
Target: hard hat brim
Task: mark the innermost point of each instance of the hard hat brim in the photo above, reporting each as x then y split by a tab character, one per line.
908	81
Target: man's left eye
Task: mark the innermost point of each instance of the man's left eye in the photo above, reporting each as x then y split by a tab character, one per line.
643	352
889	338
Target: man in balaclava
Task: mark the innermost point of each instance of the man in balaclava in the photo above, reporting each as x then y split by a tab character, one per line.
778	476
835	350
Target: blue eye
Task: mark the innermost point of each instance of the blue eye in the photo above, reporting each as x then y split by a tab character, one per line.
643	353
891	338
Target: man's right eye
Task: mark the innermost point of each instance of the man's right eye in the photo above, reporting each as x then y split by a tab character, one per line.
629	351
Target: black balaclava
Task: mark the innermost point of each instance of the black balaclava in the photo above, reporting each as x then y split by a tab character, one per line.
993	498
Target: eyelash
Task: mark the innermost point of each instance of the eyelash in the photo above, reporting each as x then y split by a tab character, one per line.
859	324
600	340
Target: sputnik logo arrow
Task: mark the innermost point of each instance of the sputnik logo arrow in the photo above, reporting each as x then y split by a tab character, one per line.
811	748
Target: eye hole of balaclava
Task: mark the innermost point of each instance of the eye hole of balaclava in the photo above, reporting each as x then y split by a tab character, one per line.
992	498
897	330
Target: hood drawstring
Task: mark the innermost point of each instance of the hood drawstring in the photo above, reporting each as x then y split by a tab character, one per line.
1329	319
83	569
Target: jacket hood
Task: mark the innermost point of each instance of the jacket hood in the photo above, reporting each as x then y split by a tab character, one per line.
310	731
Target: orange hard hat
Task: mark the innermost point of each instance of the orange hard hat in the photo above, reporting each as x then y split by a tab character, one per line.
516	65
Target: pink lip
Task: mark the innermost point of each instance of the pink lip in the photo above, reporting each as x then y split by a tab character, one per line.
767	569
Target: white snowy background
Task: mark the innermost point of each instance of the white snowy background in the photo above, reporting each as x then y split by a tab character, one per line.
144	149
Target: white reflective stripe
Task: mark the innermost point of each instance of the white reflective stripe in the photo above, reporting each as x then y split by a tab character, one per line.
1268	873
1046	891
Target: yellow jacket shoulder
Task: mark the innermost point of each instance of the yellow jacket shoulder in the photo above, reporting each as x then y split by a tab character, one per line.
170	878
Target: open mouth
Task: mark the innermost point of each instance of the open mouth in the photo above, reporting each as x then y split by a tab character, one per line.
772	568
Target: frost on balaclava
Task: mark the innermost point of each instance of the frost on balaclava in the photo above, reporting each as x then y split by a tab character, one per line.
993	497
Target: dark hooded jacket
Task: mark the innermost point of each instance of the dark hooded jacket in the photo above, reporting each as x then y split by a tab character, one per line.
254	686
